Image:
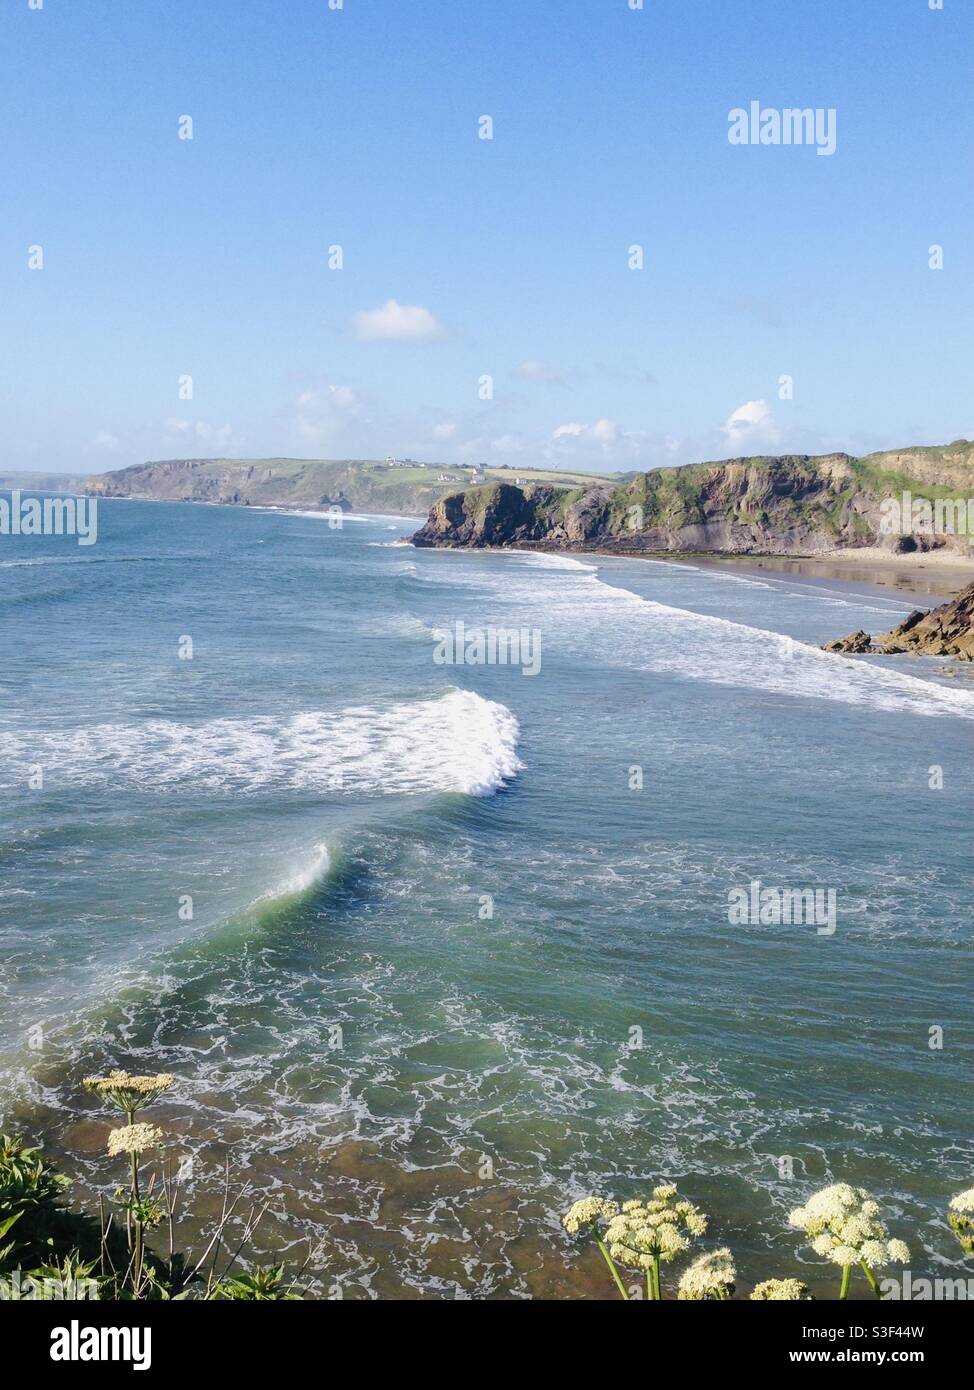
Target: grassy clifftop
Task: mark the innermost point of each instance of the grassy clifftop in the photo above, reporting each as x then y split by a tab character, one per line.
362	484
786	504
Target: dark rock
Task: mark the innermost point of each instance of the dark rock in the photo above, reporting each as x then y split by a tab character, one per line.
855	643
944	631
497	514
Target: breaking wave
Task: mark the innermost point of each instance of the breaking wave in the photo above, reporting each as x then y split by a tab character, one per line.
458	742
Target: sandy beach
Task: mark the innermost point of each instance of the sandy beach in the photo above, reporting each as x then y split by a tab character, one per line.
929	577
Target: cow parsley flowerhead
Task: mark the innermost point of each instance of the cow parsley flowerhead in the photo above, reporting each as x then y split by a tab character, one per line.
845	1227
658	1229
587	1213
127	1092
960	1215
711	1276
133	1139
780	1290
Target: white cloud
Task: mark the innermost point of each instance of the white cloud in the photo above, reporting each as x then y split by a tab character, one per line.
750	424
605	431
395	322
201	432
533	370
602	432
323	415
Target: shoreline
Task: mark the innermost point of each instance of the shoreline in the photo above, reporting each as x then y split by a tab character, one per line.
932	576
926	578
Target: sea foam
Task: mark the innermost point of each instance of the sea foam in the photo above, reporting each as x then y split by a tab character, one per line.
458	742
628	630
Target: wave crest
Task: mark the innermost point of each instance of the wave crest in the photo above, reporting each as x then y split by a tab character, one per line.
458	742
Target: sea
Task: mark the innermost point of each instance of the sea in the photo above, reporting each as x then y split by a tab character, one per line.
436	944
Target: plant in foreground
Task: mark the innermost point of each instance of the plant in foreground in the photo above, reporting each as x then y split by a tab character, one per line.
33	1222
646	1234
710	1276
131	1094
960	1216
260	1284
48	1251
640	1234
781	1290
584	1216
845	1227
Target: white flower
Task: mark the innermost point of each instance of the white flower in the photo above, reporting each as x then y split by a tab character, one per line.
587	1212
711	1276
132	1139
845	1226
960	1218
874	1253
857	1229
127	1092
656	1229
781	1289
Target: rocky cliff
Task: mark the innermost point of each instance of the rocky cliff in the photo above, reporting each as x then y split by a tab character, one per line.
944	631
792	504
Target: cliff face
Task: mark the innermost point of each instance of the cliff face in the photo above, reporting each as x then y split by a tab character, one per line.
786	505
944	631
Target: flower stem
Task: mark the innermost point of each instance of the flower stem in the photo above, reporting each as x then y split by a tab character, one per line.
846	1276
137	1267
659	1291
872	1279
649	1285
611	1263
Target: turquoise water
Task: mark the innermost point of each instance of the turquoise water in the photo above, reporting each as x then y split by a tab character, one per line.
340	809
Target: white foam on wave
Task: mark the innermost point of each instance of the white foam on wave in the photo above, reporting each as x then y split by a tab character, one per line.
458	742
542	560
359	516
305	876
625	629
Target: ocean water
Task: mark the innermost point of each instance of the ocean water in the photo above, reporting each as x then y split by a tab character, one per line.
448	965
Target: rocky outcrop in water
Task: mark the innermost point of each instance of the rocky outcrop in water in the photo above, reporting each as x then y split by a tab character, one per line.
944	631
498	514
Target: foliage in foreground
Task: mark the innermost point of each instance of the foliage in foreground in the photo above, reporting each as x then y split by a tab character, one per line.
843	1223
54	1252
47	1251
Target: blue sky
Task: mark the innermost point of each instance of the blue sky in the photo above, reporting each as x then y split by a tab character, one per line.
466	258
